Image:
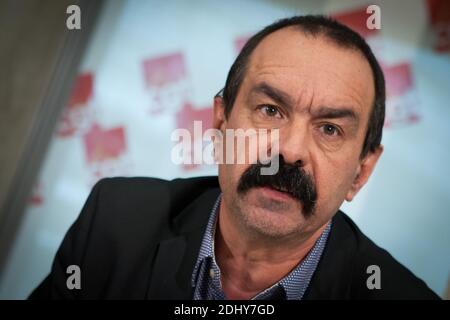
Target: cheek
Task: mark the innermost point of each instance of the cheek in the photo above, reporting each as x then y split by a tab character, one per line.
229	175
333	180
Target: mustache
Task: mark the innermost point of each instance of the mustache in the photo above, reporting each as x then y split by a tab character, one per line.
290	178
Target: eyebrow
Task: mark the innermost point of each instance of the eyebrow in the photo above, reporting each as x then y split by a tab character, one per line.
286	100
275	94
335	113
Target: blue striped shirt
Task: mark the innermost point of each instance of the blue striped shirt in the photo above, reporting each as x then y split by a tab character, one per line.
206	276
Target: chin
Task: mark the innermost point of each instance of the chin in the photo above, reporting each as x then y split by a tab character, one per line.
271	217
271	227
272	202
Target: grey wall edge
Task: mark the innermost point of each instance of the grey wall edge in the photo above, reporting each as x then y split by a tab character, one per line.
48	112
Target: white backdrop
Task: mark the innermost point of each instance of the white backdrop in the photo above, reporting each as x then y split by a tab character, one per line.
153	66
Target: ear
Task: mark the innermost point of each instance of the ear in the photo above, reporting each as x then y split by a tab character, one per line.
219	119
365	169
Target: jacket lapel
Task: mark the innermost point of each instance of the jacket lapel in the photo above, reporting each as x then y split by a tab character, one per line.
176	256
333	275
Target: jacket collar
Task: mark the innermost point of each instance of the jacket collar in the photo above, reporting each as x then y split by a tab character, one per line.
333	276
176	255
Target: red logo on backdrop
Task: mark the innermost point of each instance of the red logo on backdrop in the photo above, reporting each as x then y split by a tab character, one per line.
401	97
102	145
187	115
356	19
185	120
165	79
240	42
439	12
36	198
105	151
167	83
78	114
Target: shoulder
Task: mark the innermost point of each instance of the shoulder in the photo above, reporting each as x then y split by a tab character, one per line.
139	199
145	193
377	274
137	187
116	236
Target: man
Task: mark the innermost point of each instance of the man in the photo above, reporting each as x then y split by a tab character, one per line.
246	235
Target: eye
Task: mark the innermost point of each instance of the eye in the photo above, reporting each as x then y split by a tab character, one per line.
330	130
270	111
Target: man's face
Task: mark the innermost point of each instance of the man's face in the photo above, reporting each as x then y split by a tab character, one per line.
319	96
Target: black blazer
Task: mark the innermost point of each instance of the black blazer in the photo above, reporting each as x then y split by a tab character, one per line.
138	238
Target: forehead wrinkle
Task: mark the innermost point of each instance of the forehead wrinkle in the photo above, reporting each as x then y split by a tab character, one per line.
355	94
263	66
264	58
259	75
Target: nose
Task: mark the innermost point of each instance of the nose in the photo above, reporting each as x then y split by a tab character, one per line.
294	144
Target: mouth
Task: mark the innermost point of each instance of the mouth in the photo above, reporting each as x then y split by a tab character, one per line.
277	194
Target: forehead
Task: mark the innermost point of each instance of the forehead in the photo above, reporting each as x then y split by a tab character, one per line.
312	68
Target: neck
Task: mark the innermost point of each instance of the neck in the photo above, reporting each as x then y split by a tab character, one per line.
249	263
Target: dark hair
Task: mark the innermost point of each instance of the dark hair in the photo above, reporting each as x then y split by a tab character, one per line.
316	25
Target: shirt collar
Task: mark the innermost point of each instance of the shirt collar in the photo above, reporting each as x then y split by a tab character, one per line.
207	246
